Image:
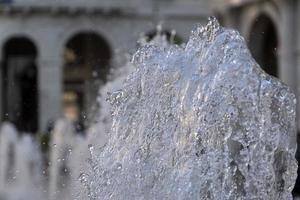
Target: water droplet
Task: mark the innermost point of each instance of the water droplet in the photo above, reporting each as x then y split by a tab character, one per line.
119	166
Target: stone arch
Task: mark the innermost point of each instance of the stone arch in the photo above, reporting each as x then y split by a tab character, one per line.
19	85
87	59
16	34
65	36
263	44
270	9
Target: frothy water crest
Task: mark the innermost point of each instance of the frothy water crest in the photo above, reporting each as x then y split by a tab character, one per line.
197	122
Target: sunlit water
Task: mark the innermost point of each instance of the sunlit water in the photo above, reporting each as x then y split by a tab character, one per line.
198	121
201	121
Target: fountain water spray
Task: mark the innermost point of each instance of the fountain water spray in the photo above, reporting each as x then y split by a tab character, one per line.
20	166
202	121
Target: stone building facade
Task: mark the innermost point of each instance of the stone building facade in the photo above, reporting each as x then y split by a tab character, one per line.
49	48
51	51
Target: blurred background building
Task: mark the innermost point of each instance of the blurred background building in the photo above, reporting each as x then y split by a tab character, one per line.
55	54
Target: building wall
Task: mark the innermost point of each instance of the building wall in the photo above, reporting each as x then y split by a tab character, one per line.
50	29
50	24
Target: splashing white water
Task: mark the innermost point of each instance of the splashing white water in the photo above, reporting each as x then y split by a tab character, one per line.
198	122
20	166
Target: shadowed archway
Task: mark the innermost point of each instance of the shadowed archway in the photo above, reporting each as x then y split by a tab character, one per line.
87	60
19	84
263	44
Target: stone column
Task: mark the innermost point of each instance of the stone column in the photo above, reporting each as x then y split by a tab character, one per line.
287	48
50	90
287	39
1	88
232	18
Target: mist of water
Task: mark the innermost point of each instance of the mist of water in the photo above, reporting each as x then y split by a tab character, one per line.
200	121
20	166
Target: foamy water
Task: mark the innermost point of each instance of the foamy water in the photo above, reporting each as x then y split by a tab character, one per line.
201	121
